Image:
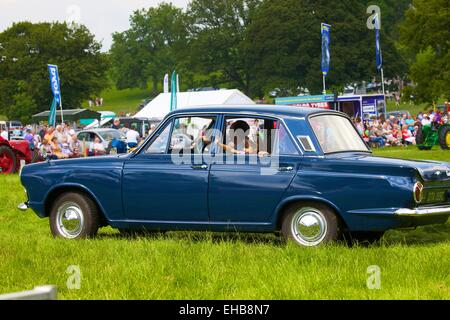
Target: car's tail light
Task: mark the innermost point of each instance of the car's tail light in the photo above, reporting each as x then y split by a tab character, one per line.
418	192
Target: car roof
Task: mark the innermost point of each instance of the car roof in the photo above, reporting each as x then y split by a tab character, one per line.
281	111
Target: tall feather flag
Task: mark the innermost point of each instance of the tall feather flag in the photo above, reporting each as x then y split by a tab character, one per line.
52	115
377	39
56	90
174	90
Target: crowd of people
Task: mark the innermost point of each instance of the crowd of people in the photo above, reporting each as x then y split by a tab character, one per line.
397	131
60	142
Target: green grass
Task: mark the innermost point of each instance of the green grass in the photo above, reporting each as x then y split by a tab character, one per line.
413	109
122	101
181	265
412	152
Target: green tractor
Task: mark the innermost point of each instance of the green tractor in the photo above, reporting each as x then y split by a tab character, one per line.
434	134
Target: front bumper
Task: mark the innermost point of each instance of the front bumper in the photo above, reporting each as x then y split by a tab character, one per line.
424	211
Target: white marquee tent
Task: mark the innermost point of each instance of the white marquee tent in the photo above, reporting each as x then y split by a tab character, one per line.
159	107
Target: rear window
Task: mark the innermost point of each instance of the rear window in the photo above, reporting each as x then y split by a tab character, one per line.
337	134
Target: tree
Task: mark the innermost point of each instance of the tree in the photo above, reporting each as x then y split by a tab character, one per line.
220	41
424	36
25	51
152	47
286	44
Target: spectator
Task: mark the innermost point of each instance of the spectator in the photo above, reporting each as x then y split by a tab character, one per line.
56	149
65	150
97	147
116	124
132	137
75	147
407	136
59	133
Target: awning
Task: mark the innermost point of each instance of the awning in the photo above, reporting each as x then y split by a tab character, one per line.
69	115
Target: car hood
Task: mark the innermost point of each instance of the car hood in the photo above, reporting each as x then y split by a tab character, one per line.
428	170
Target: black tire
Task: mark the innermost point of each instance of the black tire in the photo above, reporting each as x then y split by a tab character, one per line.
443	138
419	135
365	237
5	150
324	225
75	204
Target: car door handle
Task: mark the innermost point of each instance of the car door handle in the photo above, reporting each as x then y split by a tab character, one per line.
286	169
200	167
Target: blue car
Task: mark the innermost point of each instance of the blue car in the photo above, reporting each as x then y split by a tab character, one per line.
304	173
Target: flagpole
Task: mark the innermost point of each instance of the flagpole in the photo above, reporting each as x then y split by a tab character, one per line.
324	85
60	102
382	81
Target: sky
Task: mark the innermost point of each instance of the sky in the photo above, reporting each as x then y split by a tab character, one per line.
102	17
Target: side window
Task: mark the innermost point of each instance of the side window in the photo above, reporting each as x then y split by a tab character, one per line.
285	146
192	135
159	145
86	136
248	136
256	136
82	136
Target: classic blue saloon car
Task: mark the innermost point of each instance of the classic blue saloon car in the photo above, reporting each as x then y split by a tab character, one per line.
305	173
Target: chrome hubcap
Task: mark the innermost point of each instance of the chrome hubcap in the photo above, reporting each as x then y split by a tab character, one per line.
70	220
309	227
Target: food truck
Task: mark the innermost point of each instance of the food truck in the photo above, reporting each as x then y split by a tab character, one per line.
366	106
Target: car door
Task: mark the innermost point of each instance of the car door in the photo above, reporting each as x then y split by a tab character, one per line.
245	189
158	187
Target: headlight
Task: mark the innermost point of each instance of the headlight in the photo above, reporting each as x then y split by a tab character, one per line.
418	192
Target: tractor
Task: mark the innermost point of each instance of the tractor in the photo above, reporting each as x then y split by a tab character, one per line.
11	153
433	134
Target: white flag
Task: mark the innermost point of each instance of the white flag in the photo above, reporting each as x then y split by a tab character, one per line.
166	83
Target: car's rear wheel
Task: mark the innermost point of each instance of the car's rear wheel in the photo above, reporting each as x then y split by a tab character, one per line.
8	160
310	224
74	216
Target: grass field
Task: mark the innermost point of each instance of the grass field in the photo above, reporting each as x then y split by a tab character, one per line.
122	101
414	264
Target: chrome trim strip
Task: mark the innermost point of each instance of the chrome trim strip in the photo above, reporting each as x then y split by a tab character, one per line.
423	211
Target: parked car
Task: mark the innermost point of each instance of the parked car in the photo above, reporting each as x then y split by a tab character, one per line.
105	135
310	177
142	125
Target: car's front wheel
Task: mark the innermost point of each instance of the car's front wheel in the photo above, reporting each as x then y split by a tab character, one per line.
74	216
310	224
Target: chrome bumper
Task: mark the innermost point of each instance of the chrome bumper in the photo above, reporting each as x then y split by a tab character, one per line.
23	206
424	211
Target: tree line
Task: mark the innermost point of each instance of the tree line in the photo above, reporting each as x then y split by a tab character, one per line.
252	45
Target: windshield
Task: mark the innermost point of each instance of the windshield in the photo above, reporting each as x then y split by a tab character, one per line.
110	135
337	134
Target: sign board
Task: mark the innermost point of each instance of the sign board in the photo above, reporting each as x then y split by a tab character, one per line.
320	101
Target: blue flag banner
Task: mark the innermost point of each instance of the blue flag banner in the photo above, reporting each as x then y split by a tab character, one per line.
173	97
54	83
378	49
377	24
52	115
326	30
